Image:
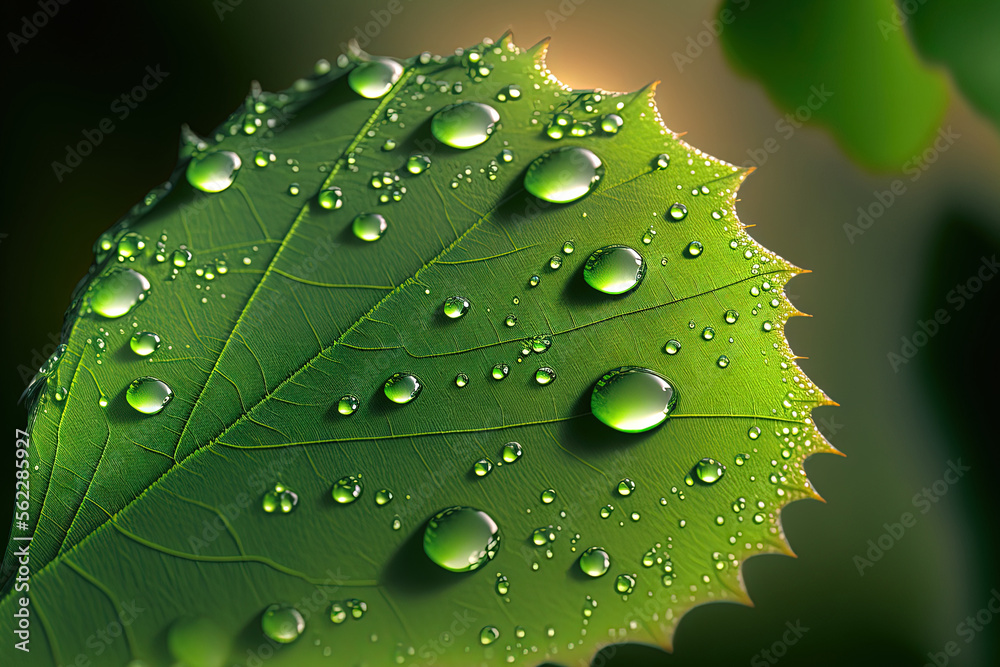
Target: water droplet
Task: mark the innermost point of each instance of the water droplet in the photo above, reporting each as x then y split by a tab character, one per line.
461	539
482	467
534	280
464	125
455	306
369	226
677	211
502	585
60	394
507	155
331	198
732	316
606	511
181	257
263	158
116	293
148	395
544	375
461	380
144	343
754	432
383	497
280	498
488	635
568	248
767	326
694	249
722	361
356	607
541	343
417	164
512	451
625	487
662	161
198	642
555	262
130	245
282	623
348	404
564	174
374	78
758	518
548	496
213	172
632	399
624	583
346	489
611	123
673	346
337	613
595	561
708	471
510	320
708	333
402	387
614	269
500	371
543	535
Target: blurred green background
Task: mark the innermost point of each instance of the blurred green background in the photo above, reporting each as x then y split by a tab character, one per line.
932	73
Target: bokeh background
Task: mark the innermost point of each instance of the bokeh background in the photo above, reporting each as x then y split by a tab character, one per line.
729	86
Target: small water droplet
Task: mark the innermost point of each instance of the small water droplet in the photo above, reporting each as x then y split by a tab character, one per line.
606	511
545	375
625	487
148	395
502	585
482	467
754	432
624	583
488	635
632	399
534	280
144	343
672	347
512	452
282	623
374	78
662	161
694	249
402	387
461	539
383	497
500	371
116	293
708	471
722	361
595	562
464	125
417	164
614	269
455	306
731	316
263	158
677	211
337	613
708	333
611	123
510	320
213	172
346	489
548	496
348	404
279	499
369	226
568	248
564	174
331	198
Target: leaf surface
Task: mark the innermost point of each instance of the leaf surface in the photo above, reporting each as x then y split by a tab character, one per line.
282	311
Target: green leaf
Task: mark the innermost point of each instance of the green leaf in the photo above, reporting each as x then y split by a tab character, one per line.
879	101
158	520
962	36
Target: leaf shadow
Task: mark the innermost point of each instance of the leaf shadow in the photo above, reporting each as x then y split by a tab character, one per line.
410	572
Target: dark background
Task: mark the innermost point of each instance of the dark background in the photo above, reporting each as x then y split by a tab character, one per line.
899	430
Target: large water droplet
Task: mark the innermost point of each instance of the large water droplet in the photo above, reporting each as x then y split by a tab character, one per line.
402	387
595	561
369	226
614	269
461	539
148	395
464	125
455	306
375	77
564	174
709	471
633	399
116	293
213	172
346	489
282	623
144	343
